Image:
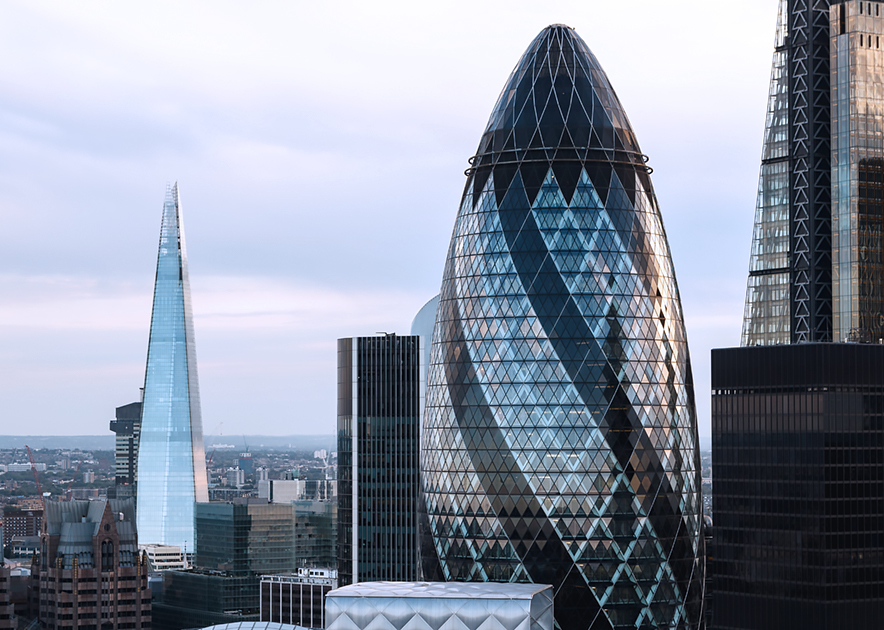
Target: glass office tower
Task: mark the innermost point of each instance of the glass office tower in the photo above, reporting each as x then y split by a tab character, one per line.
559	444
171	457
817	266
857	65
379	411
766	316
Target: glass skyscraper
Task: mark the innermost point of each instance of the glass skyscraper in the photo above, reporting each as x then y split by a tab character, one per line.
379	414
817	266
797	429
766	316
559	443
857	67
171	456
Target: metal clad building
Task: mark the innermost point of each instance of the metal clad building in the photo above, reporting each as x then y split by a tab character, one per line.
436	605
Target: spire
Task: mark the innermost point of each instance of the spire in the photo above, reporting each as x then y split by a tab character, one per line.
171	456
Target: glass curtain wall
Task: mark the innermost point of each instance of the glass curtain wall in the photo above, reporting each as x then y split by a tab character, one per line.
171	456
857	66
766	314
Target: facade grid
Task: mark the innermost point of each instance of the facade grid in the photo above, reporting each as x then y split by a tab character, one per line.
379	407
559	443
798	446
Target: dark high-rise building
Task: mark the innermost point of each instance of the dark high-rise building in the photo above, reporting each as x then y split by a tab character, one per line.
379	403
171	457
559	443
89	574
798	449
797	439
127	426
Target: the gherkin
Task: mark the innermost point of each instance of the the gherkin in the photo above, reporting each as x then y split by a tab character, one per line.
560	440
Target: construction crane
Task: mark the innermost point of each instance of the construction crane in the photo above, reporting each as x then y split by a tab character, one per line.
36	477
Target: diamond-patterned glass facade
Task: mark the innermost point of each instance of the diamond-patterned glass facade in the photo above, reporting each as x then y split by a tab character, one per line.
560	442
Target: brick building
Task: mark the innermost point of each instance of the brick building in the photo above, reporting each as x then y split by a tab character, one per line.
21	521
90	574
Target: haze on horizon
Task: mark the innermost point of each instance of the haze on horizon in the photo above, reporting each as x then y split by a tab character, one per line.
320	151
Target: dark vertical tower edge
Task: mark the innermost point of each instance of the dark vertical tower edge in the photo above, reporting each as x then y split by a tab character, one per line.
810	195
379	402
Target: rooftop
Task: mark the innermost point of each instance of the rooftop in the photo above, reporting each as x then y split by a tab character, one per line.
435	590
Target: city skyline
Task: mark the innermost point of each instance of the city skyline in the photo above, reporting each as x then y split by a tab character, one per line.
259	133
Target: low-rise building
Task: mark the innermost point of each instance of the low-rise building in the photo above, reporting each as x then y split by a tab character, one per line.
297	598
437	605
164	557
280	490
24	546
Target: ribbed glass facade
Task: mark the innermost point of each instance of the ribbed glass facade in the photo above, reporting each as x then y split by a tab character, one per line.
857	63
766	316
559	444
171	457
379	407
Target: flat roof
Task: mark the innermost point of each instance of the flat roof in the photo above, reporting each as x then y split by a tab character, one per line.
433	590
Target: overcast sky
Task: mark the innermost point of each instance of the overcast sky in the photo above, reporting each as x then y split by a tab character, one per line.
319	148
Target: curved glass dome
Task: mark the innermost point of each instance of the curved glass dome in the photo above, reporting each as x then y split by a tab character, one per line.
560	438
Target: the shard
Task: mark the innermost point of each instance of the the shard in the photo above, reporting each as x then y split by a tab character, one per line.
559	443
171	456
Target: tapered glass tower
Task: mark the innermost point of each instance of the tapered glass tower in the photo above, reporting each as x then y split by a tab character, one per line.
559	442
766	318
171	456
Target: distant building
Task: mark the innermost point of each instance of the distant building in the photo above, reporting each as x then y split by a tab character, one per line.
236	478
24	546
379	407
262	473
320	454
251	536
438	605
89	477
25	467
280	490
246	463
297	599
164	557
90	574
127	427
19	521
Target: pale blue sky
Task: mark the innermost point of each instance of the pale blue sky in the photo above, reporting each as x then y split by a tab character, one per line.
320	150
